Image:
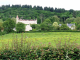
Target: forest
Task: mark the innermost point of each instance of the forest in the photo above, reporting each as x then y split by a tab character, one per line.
37	12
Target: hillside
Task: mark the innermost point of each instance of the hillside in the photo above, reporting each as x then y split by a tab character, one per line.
29	12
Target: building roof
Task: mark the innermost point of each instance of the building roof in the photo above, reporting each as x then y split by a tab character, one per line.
70	24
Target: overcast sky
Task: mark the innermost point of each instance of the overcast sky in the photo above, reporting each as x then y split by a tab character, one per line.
67	4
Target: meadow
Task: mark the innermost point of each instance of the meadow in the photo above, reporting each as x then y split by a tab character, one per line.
42	37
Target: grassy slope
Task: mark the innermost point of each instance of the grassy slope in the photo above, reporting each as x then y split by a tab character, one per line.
45	38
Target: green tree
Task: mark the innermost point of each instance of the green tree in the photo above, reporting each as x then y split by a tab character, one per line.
56	26
14	19
1	26
54	19
64	17
64	27
38	20
77	20
78	27
69	20
41	17
9	25
20	27
46	25
33	26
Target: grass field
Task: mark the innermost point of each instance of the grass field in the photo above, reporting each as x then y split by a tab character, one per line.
39	38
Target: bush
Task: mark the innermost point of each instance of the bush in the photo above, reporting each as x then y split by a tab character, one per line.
64	27
78	27
33	29
21	51
35	26
2	33
20	27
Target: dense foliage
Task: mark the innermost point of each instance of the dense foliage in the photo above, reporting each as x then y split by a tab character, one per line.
29	12
20	27
1	26
64	27
45	16
8	25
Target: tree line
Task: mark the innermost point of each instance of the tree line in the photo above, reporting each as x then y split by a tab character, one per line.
29	12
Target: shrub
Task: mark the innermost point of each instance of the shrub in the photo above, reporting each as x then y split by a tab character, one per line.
20	27
35	26
23	51
2	33
78	27
64	27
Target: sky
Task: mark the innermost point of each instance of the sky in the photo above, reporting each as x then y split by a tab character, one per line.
66	4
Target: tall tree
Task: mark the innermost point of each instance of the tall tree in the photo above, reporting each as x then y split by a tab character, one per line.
41	17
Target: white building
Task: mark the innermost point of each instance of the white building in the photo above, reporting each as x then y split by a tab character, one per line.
27	22
72	26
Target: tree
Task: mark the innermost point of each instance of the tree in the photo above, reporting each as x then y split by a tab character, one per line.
78	27
33	26
38	20
1	26
64	27
41	17
69	20
77	20
55	19
20	27
64	17
46	25
9	25
56	26
14	19
47	20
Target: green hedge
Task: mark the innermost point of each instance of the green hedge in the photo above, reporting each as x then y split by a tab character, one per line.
44	53
2	33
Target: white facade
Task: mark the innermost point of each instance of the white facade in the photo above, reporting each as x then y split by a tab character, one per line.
72	26
28	27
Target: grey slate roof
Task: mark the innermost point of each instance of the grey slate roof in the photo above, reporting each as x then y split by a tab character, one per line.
69	25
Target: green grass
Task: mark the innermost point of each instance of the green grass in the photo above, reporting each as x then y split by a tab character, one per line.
43	37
